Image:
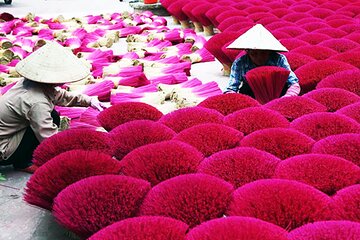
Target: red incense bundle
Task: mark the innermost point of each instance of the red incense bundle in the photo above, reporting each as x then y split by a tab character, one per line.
267	82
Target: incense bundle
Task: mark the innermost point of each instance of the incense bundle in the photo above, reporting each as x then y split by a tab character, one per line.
267	82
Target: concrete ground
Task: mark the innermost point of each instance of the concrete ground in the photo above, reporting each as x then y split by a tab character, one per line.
19	220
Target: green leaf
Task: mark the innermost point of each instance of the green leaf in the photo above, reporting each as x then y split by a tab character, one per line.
2	177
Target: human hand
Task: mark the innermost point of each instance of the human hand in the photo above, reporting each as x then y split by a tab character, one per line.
96	104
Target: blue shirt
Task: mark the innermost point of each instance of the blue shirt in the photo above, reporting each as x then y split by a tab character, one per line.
243	64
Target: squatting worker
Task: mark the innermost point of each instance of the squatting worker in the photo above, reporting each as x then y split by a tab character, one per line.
27	114
261	49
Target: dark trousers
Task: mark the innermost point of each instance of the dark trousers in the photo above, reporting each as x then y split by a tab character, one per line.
22	157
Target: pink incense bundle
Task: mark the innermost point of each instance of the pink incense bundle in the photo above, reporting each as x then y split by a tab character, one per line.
124	32
199	13
280	35
191	96
197	41
177	50
72	43
70	112
297	60
170	79
154	46
230	13
115	26
89	116
293	31
351	57
166	69
207	90
231	53
312	26
126	97
161	21
116	70
339	45
172	35
54	25
146	227
201	55
91	19
267	82
153	26
4	69
340	229
186	85
97	69
79	33
7	27
313	38
90	38
187	9
159	58
22	31
214	45
138	94
175	9
76	124
26	44
100	55
83	48
316	51
12	63
101	90
292	43
215	11
235	19
6	88
136	80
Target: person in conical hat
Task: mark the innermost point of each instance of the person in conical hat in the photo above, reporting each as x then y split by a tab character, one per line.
27	114
261	49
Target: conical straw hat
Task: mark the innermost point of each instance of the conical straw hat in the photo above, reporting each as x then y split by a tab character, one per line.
52	64
258	37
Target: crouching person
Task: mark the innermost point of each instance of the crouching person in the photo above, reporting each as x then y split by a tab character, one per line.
27	114
261	49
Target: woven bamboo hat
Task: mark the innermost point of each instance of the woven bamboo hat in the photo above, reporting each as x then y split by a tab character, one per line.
259	38
52	64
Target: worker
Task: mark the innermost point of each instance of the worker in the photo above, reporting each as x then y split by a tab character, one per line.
261	49
27	115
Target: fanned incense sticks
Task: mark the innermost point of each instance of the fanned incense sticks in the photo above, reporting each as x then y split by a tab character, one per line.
267	82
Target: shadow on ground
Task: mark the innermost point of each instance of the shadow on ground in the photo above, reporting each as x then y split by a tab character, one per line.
19	220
